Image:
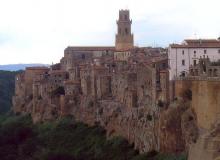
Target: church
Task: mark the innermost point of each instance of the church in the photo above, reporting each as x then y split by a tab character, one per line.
124	43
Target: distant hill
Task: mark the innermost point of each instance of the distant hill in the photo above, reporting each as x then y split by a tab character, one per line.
16	67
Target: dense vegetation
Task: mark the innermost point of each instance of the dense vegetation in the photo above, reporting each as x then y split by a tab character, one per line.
63	139
7	85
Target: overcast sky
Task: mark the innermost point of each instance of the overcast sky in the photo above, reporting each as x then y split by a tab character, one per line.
37	31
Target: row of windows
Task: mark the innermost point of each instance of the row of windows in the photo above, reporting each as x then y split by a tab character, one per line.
183	62
204	51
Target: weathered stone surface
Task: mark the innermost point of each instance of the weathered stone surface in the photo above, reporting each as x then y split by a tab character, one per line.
177	127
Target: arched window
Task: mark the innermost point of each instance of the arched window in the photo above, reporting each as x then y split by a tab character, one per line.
83	56
126	31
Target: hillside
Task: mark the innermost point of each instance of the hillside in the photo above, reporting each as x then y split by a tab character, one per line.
7	84
64	139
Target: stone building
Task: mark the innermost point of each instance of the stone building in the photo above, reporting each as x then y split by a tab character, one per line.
76	55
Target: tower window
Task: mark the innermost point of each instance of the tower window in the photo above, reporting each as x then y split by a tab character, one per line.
83	56
182	52
126	31
126	17
205	51
194	52
183	62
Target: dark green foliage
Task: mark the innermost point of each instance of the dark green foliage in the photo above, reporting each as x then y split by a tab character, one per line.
64	139
7	85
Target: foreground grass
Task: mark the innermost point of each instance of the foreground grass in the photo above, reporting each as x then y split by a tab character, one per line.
64	139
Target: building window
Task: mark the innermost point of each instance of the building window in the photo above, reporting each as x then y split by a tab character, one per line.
219	51
183	74
126	17
194	62
83	56
205	51
182	52
183	62
194	52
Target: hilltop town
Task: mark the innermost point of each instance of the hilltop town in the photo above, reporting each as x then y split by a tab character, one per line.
158	99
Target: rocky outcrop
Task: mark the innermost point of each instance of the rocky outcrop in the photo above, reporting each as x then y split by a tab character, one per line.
118	119
178	127
168	130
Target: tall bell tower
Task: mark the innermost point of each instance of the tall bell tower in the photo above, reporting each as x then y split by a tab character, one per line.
124	38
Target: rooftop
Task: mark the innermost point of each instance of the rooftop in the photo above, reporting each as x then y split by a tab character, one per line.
198	43
37	68
90	48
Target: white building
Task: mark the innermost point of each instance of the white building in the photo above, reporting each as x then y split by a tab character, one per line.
181	56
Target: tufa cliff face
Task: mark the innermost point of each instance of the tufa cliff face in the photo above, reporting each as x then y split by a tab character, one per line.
125	103
178	127
128	98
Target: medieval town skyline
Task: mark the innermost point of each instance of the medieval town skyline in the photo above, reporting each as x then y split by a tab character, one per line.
38	31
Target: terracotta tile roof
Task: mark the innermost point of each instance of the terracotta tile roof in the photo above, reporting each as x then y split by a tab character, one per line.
198	43
90	48
57	71
99	67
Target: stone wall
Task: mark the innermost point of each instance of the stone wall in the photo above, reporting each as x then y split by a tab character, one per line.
206	95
